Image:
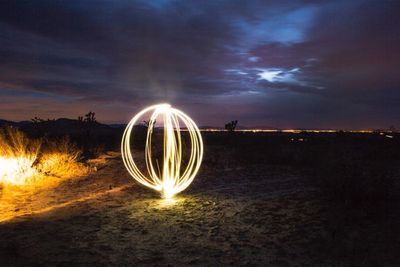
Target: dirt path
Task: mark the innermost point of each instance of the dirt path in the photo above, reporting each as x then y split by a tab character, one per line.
248	217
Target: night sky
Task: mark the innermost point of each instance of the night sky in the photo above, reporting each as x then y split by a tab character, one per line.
284	64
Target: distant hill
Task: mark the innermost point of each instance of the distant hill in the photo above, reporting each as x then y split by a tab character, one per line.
117	125
71	126
5	122
62	126
13	123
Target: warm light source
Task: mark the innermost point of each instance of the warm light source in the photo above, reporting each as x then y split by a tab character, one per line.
24	163
16	170
171	179
17	156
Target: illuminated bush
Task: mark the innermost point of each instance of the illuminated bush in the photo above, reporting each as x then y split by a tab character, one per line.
25	161
60	159
18	154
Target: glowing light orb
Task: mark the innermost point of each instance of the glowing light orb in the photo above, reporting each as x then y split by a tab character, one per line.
16	171
172	179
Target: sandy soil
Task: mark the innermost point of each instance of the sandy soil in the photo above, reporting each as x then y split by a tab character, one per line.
250	216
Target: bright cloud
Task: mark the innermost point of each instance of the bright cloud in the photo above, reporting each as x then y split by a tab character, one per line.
276	75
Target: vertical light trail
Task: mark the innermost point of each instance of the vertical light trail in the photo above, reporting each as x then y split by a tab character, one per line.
170	180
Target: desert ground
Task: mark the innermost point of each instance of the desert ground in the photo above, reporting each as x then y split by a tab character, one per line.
253	203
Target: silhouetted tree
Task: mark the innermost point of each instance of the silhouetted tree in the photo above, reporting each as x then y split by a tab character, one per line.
231	126
37	120
147	123
90	117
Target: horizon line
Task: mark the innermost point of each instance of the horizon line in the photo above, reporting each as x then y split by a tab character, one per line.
243	128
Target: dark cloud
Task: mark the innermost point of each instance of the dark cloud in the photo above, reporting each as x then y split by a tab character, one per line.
275	63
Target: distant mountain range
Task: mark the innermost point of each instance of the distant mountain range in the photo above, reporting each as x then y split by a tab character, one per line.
71	123
60	126
13	123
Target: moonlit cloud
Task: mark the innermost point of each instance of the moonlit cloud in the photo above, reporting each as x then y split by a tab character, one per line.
270	75
273	75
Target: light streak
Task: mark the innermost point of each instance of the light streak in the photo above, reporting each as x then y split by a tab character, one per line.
171	180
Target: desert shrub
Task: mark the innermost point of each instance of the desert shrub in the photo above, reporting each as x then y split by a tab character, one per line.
61	158
28	161
15	143
18	154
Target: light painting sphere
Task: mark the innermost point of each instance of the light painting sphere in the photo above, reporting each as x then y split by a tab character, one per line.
172	178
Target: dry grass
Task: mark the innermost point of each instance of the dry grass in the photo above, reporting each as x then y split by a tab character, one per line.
60	158
18	154
15	143
26	161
